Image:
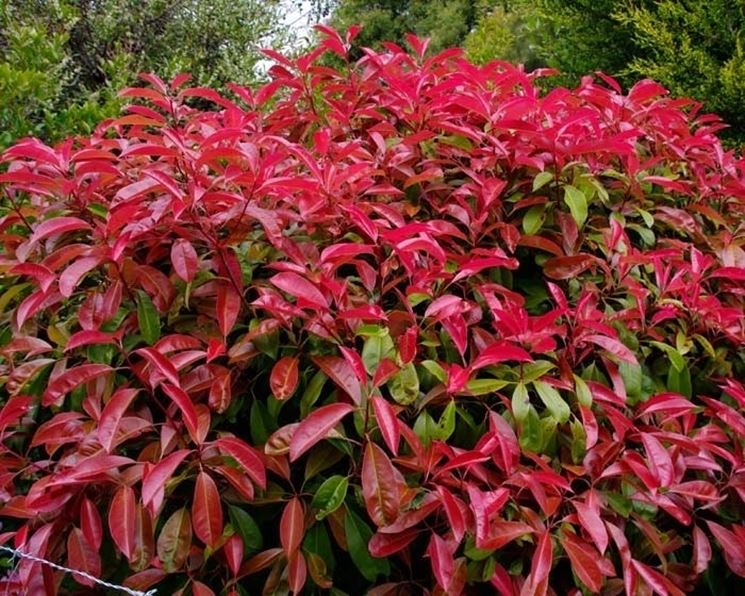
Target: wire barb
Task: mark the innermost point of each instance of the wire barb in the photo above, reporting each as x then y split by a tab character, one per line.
19	553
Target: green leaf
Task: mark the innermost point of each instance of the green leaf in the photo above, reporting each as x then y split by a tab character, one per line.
246	528
579	441
424	427
620	503
485	386
260	423
317	541
147	318
520	402
376	348
531	432
535	370
533	219
312	393
680	381
577	203
676	359
542	179
371	331
631	373
404	385
446	425
584	395
330	495
435	370
646	216
358	537
552	399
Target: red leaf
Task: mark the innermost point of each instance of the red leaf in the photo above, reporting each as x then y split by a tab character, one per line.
200	589
228	307
613	346
592	523
14	409
386	369
284	378
567	267
300	288
584	561
71	276
81	556
341	373
108	423
655	580
71	378
86	338
379	486
463	459
90	523
122	520
660	462
185	405
387	422
732	547
43	275
292	526
50	227
162	364
503	532
542	559
443	565
454	513
701	551
206	510
297	572
407	344
234	553
184	259
154	480
246	457
316	426
355	362
384	545
500	352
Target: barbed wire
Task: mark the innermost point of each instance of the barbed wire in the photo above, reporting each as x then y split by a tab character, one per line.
23	555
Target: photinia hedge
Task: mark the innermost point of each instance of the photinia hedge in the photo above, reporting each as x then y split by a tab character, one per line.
410	324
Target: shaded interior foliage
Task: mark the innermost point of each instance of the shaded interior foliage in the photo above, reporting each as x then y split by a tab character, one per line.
411	324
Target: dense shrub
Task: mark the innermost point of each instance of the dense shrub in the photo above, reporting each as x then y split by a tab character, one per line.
412	325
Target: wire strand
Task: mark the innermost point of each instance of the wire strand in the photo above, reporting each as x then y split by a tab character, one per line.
19	553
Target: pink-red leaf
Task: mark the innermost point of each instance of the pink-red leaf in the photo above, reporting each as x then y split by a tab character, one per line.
206	510
292	526
184	259
379	486
246	457
316	426
387	422
122	520
284	378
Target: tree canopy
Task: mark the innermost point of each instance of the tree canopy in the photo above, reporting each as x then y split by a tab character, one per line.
62	61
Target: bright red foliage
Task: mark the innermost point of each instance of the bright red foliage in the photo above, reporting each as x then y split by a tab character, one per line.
412	321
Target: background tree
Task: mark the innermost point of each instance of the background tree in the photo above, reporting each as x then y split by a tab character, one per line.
62	61
445	22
